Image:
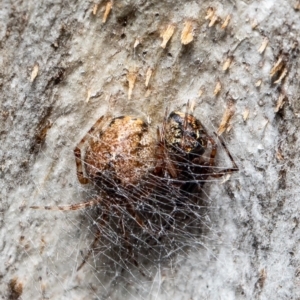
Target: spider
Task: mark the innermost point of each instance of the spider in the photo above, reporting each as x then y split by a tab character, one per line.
143	179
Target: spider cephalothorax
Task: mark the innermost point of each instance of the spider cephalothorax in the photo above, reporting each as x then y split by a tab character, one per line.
185	134
185	141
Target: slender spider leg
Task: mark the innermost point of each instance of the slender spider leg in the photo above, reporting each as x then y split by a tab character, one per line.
77	151
128	245
90	251
169	165
96	239
165	155
163	158
77	206
205	162
185	125
135	216
223	172
162	131
213	152
211	162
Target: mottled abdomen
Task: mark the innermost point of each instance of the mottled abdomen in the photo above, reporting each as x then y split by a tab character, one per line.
123	154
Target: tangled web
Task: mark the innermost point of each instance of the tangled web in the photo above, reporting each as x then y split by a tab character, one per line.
147	202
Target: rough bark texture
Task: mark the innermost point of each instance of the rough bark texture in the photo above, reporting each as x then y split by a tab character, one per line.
252	248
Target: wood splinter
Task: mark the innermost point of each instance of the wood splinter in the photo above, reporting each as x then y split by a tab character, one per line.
167	34
229	112
187	35
107	11
131	78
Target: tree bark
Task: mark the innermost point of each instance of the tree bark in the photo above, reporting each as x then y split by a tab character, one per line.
66	63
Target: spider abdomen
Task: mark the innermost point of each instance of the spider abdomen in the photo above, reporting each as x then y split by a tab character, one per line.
122	152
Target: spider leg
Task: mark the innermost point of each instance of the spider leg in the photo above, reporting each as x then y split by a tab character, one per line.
213	152
205	162
185	124
135	216
163	160
79	167
96	128
223	172
90	251
211	161
96	239
77	206
127	242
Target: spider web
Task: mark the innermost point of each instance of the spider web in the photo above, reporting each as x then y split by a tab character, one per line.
110	245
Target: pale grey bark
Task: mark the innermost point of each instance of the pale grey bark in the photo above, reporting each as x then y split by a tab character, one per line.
252	248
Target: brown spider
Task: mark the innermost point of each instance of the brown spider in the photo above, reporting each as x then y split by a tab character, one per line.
143	178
